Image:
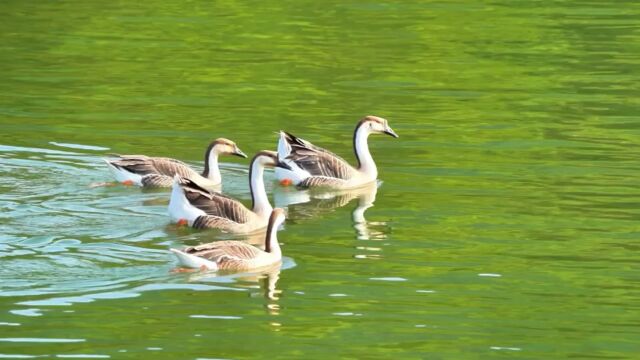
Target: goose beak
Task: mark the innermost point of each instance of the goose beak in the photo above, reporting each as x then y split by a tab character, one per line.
389	131
239	153
283	165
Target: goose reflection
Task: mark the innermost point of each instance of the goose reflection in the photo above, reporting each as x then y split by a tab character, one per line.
304	204
262	283
267	282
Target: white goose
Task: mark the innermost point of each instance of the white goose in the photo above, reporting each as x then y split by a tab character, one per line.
148	171
191	204
236	255
312	166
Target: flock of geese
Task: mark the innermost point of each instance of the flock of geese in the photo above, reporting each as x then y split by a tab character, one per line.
196	200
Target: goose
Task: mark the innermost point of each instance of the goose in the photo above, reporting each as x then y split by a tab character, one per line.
193	205
235	255
149	171
312	166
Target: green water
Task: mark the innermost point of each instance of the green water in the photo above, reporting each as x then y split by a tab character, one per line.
506	224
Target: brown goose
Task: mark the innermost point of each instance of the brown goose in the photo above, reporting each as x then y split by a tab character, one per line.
236	255
312	166
148	171
196	206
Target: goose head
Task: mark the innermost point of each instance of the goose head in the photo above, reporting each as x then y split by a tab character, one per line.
374	124
225	147
267	158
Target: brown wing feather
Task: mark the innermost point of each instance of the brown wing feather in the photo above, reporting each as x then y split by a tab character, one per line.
318	161
157	180
232	249
215	204
212	222
172	167
319	181
144	165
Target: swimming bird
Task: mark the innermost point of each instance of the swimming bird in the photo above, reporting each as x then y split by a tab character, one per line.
148	171
313	166
193	205
236	255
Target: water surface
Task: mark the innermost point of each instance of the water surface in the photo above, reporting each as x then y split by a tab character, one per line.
505	223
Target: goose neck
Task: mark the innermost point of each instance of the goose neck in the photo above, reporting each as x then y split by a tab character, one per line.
366	165
260	202
211	168
271	244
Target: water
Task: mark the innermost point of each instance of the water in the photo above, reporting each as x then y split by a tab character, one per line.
505	224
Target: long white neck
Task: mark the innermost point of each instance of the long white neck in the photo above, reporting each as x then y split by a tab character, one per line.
366	165
212	166
261	205
272	238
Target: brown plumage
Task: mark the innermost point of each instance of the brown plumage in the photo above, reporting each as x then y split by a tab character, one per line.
201	208
159	171
219	208
314	166
160	166
322	181
229	255
157	180
318	161
213	222
236	255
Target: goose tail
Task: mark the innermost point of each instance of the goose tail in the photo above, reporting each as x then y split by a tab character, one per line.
192	261
122	175
284	149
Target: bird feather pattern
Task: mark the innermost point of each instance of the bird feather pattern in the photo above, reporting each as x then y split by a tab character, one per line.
318	161
145	165
214	204
227	254
157	180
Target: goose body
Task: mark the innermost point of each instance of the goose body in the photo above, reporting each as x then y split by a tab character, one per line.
149	171
201	208
235	255
313	166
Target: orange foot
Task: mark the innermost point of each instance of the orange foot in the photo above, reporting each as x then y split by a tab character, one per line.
182	222
182	270
127	182
286	182
203	268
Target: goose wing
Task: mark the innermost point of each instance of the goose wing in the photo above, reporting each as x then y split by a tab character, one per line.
322	181
157	180
215	204
318	161
144	165
213	222
225	250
